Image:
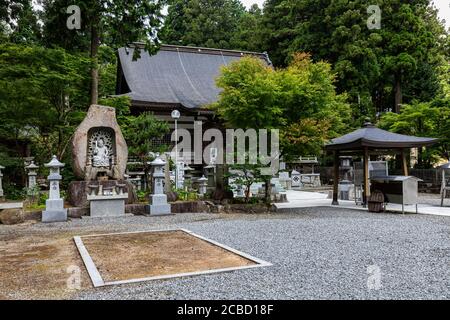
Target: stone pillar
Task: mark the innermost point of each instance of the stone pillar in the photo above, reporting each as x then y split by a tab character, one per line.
54	206
202	183
210	172
180	172
167	184
1	185
158	200
32	173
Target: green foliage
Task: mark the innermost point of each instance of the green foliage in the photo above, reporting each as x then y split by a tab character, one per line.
300	101
187	195
42	98
118	22
250	95
223	24
430	119
139	133
19	22
113	23
142	196
245	175
372	66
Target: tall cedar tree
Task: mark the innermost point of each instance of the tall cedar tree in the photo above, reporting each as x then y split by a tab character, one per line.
111	22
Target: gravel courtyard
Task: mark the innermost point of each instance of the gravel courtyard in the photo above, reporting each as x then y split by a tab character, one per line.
317	253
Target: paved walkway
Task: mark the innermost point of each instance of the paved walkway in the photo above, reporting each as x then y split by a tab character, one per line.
306	199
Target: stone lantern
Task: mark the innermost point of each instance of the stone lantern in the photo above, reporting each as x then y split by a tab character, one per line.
1	186
54	206
158	200
211	174
32	173
187	176
202	184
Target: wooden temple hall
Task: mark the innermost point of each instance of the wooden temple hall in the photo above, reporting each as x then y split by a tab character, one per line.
372	141
176	77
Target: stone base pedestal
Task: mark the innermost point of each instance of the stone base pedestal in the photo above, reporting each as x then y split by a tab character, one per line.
77	191
158	205
54	216
107	206
55	211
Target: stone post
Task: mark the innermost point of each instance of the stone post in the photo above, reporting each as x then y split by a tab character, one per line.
32	173
54	206
158	200
1	185
202	184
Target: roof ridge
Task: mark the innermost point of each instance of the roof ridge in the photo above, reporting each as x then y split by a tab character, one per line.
204	50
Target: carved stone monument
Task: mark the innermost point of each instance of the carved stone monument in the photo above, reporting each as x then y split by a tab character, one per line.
99	147
100	156
54	205
158	200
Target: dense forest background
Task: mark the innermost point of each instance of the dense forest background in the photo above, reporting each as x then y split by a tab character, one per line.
398	74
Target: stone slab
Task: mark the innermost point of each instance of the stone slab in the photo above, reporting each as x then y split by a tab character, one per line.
158	210
11	205
107	208
54	216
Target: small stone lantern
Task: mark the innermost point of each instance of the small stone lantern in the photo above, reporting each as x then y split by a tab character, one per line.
211	174
187	175
202	184
54	206
32	173
1	185
158	200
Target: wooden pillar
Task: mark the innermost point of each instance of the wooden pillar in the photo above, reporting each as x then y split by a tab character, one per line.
336	178
404	163
366	191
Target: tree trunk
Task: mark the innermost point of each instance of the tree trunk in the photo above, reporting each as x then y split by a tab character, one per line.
398	93
247	193
95	43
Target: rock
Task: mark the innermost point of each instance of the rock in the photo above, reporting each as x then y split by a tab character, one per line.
77	212
189	207
138	209
98	117
220	194
172	196
77	191
12	216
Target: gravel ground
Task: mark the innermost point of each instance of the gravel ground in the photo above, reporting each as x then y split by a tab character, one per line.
317	253
433	199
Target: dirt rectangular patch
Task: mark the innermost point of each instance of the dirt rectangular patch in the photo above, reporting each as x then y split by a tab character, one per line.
131	257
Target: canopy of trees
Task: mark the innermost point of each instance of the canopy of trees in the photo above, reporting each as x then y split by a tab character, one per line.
299	100
49	74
